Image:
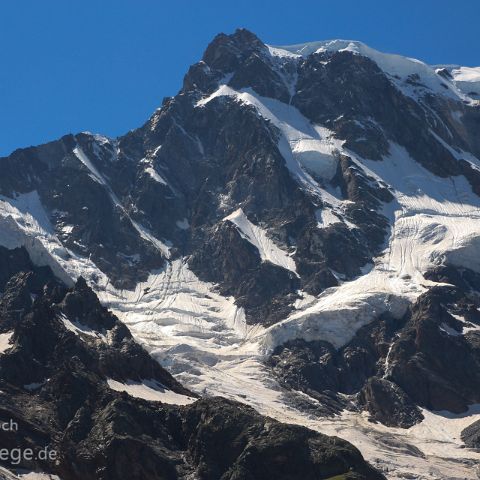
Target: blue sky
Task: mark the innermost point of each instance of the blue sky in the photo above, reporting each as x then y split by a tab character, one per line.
104	65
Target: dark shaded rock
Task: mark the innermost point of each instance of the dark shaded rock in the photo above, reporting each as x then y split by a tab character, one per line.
388	404
262	448
317	367
429	358
471	435
17	260
352	96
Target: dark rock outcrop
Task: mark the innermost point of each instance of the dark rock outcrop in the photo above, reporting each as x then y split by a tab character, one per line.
471	435
387	403
392	367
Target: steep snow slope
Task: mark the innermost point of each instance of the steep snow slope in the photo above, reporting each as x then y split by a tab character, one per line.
259	239
434	219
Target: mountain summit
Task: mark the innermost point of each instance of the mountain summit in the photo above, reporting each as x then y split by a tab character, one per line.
297	230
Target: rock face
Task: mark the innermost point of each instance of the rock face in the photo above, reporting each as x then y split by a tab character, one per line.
305	216
59	374
429	358
471	435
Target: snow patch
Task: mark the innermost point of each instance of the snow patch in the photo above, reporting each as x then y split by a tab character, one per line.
466	79
37	476
80	329
24	223
326	217
258	238
5	342
449	330
34	386
94	173
150	390
156	176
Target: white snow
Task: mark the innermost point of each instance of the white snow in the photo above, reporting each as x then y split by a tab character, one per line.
33	386
397	67
5	341
466	74
326	217
25	475
435	219
94	173
67	229
155	175
203	337
150	390
162	246
38	476
80	329
449	330
466	79
24	222
466	326
258	238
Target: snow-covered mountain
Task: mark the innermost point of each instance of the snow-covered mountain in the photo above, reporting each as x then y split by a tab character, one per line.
298	230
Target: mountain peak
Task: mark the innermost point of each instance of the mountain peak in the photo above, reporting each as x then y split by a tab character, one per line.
296	229
226	52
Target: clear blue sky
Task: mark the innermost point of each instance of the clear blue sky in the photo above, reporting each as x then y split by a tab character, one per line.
105	65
